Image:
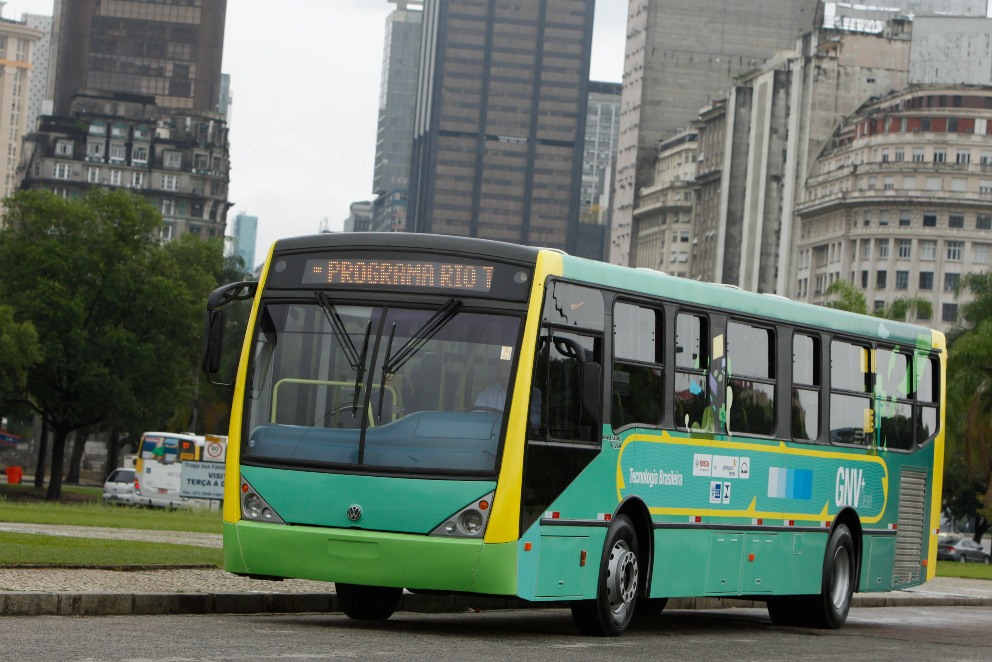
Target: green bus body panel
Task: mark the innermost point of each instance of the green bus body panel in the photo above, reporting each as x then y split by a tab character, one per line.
402	505
370	558
747	539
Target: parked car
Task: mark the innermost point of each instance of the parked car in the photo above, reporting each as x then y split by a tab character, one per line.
955	548
119	487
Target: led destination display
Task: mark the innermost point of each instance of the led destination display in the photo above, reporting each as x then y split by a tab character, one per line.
399	273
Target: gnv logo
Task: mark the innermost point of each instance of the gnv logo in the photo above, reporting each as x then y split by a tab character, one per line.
850	485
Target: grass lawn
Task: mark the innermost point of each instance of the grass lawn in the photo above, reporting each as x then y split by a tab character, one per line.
31	549
964	570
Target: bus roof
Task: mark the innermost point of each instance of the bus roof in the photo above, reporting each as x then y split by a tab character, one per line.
411	241
732	299
644	281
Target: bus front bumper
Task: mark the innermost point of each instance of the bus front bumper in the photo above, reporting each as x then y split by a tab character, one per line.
370	558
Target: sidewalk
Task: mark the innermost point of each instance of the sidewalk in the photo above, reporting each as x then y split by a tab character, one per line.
195	590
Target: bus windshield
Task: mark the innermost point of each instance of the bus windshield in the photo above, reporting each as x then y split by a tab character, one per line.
386	387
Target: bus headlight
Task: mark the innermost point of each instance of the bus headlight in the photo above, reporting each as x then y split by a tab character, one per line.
254	507
469	522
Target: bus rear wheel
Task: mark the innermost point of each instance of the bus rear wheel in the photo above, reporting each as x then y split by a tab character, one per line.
368	603
830	608
616	595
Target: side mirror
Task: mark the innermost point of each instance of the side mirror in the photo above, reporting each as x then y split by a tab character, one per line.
213	341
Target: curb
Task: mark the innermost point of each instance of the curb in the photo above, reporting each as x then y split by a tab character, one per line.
29	603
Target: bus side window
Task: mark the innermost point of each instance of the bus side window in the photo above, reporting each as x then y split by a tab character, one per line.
751	375
805	388
564	365
893	404
692	360
637	375
850	395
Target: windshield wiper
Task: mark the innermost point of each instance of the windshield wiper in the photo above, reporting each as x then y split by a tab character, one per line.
392	364
361	368
340	332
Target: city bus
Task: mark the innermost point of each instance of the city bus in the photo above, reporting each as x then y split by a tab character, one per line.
456	415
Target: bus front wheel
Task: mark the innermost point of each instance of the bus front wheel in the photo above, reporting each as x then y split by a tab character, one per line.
616	594
367	603
829	609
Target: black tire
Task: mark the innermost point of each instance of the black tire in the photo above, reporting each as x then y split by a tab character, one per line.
368	603
787	610
616	596
829	609
649	607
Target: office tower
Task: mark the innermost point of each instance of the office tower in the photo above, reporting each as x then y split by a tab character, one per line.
359	217
16	43
245	229
602	130
680	56
397	100
500	120
38	92
136	91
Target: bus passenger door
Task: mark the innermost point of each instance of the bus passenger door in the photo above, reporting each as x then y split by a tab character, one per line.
566	403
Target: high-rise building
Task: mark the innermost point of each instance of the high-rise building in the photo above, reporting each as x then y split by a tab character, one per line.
680	56
16	43
500	120
244	233
602	129
136	92
359	217
397	101
39	92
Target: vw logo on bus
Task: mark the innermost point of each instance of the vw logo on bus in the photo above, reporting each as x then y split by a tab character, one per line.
354	512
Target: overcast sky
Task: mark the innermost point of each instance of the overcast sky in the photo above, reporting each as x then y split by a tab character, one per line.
305	86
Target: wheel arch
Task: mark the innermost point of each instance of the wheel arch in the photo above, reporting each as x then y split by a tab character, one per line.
849	517
637	511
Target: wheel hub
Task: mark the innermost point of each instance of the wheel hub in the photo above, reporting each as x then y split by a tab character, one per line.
621	580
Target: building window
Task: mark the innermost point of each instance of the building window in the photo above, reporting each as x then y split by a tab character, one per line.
905	219
866	249
954	249
905	248
963	158
909	183
926	280
170	182
63	148
98	128
900	154
864	279
118	130
880	278
139	155
940	156
168	208
929	220
888	183
173	159
959	184
883	218
62	170
902	280
118	152
883	248
872	183
918	155
983	222
137	180
955	220
94	151
980	253
934	183
928	250
115	177
93	175
949	312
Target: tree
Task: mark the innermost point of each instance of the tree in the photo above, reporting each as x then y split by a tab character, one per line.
843	295
117	313
18	352
969	393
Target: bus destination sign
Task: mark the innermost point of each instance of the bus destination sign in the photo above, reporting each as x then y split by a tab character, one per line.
399	273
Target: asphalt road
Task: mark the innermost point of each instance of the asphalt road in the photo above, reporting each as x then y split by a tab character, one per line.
903	633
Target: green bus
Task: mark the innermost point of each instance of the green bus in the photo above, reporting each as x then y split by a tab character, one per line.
457	415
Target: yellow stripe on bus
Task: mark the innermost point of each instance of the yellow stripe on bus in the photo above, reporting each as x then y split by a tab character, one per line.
504	523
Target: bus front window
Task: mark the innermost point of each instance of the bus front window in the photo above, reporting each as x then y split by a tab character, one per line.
383	386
